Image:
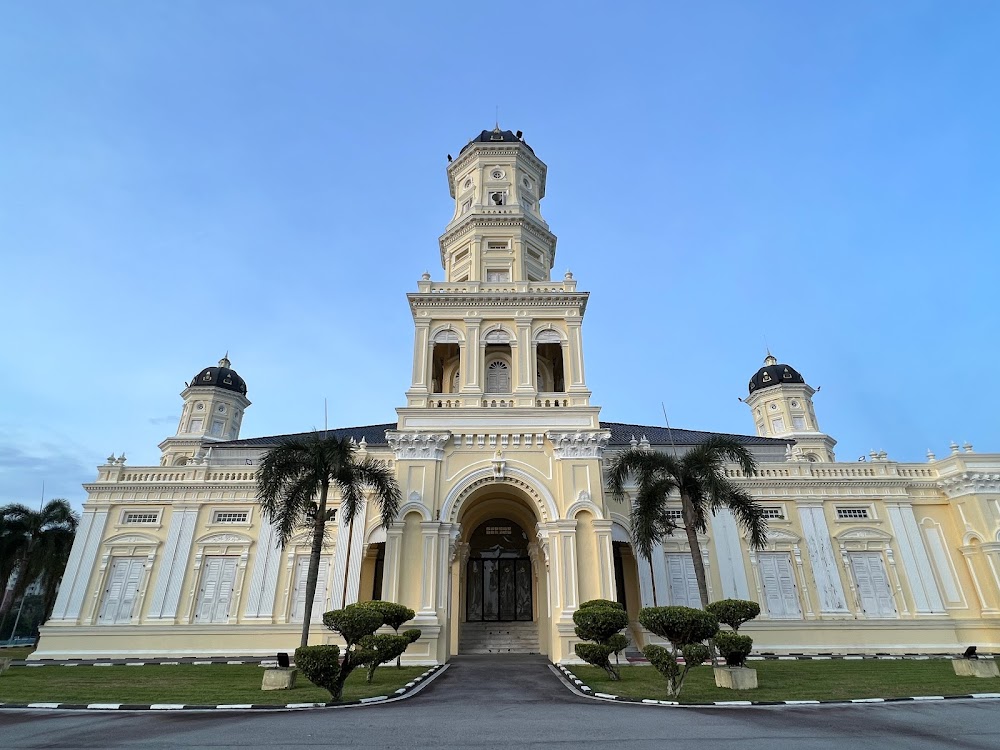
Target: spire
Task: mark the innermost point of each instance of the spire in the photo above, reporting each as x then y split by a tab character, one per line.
224	362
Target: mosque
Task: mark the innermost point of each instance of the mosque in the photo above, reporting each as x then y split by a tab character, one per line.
506	525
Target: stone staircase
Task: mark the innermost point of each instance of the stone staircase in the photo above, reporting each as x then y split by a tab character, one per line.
498	638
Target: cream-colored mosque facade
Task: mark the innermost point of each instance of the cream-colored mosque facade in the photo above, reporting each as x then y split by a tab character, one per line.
506	526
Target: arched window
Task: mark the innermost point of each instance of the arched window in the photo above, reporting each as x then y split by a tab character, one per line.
498	377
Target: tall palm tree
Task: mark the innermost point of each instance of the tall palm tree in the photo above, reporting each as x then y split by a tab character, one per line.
33	541
293	487
699	478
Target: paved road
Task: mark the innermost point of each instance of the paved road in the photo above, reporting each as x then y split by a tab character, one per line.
516	702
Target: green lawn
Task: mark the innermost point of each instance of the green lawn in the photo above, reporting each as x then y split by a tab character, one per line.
21	652
209	684
800	680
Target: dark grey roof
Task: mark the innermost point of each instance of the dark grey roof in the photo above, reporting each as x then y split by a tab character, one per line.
773	373
621	434
220	377
497	136
373	434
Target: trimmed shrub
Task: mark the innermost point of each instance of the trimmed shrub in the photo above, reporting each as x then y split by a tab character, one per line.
734	612
357	624
735	648
382	648
394	615
353	622
320	665
685	628
619	642
601	621
679	625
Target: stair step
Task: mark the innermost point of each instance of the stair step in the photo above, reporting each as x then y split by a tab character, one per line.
499	638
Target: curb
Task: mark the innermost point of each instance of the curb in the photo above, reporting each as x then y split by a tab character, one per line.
578	686
410	689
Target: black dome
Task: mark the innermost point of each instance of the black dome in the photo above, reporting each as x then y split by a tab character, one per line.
220	377
497	136
773	373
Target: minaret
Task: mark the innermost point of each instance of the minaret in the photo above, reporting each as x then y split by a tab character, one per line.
214	402
497	233
498	332
781	403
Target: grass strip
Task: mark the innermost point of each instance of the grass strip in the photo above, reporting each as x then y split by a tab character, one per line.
800	680
17	653
212	685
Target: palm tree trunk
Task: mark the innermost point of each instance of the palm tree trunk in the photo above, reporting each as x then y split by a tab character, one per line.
692	537
319	527
21	568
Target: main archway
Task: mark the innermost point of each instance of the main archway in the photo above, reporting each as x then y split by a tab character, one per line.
499	594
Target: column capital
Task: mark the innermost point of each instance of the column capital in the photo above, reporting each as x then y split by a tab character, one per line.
579	444
414	445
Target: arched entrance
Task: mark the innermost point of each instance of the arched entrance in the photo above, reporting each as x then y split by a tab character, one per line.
499	595
498	575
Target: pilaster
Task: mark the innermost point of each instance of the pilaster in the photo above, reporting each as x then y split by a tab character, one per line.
174	563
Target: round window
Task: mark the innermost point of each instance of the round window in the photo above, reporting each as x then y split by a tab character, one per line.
497	174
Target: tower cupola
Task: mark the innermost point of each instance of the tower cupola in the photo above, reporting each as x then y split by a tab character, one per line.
214	403
782	407
497	233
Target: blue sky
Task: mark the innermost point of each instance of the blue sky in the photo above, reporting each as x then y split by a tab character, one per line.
178	179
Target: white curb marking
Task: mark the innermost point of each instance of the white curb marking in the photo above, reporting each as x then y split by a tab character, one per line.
104	705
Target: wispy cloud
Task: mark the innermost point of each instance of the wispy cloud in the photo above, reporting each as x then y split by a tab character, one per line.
23	469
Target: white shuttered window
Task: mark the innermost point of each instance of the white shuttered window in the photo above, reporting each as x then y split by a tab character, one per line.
122	591
299	593
781	597
873	584
218	577
682	581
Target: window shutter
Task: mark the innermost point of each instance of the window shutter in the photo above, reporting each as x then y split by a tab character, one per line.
872	583
780	593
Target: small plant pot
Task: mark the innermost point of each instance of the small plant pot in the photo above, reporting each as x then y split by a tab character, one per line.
736	678
975	668
279	678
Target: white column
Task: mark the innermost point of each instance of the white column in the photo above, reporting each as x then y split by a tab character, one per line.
525	357
174	563
347	555
473	352
816	533
660	589
444	564
916	562
644	568
421	349
429	576
264	578
729	552
80	565
393	559
569	586
606	559
577	380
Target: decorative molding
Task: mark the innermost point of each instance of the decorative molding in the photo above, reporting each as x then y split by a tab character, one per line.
418	445
581	444
225	539
970	483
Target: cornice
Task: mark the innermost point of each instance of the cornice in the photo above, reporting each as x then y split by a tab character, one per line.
492	221
505	148
514	299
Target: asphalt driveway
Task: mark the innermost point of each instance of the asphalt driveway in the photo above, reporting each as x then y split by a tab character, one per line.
517	702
